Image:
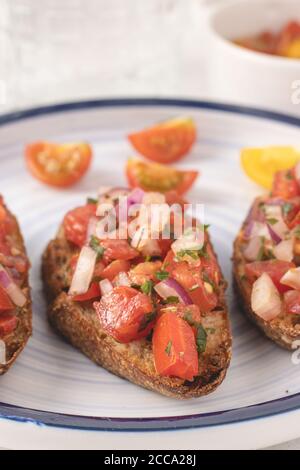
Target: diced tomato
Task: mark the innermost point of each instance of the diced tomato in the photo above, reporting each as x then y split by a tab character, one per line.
292	302
114	268
174	348
166	142
275	268
8	324
125	314
189	313
173	197
288	35
118	250
5	302
155	177
143	272
92	293
76	222
58	165
285	185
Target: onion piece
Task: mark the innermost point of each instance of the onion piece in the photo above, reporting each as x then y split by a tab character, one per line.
11	288
275	238
291	278
278	228
265	298
252	250
171	288
84	271
191	240
105	286
284	251
122	279
260	230
2	352
135	197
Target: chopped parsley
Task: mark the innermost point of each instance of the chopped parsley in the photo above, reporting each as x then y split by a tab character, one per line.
95	244
147	259
171	300
168	348
146	320
201	339
272	221
162	275
287	206
147	287
206	278
91	200
192	253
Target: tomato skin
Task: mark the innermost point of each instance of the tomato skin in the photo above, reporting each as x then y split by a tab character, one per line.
122	314
118	250
291	302
174	348
285	185
114	268
92	293
155	177
166	142
5	302
69	162
8	324
76	221
275	268
189	276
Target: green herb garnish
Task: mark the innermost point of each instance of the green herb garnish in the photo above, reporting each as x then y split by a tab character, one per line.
272	221
171	300
297	232
147	287
208	280
95	244
162	275
147	318
91	200
168	348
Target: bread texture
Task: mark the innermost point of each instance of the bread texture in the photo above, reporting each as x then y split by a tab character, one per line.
134	361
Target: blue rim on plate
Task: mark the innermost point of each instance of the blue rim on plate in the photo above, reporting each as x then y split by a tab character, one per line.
44	418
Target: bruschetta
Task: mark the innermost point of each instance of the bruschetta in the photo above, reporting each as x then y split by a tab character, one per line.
266	260
150	310
15	301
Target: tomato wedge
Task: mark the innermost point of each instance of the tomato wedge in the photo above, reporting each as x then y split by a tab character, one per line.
126	314
8	324
5	302
118	250
114	268
174	348
76	222
275	268
285	185
156	177
59	165
166	142
92	293
291	302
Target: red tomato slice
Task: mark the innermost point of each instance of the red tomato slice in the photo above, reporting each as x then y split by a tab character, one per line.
190	277
275	268
285	185
166	142
8	324
76	222
289	33
125	314
118	250
92	293
5	302
292	302
174	348
155	177
189	313
59	165
114	268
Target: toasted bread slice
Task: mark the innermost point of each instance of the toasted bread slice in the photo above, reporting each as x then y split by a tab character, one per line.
134	361
284	329
16	341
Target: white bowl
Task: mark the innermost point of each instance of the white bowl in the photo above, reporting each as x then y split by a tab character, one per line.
245	77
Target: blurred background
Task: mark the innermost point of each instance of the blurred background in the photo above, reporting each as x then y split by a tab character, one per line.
58	50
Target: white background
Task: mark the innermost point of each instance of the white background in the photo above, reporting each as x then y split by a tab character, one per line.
62	50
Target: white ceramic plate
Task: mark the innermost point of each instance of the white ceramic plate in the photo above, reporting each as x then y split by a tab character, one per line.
54	397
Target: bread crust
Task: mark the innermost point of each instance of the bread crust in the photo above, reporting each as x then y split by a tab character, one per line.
284	329
16	341
78	323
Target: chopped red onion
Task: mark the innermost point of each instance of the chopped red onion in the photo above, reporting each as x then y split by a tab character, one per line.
252	249
135	197
84	271
122	279
275	238
284	251
105	286
171	288
11	288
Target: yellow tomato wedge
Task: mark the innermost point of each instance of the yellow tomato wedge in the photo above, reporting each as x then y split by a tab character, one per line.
260	164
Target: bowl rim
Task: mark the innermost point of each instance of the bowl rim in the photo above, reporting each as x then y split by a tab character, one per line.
259	57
